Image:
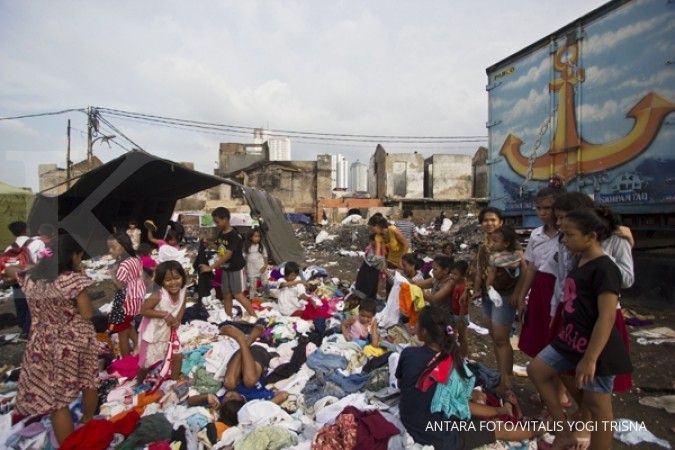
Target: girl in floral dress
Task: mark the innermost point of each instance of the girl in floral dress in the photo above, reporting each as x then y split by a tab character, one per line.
60	360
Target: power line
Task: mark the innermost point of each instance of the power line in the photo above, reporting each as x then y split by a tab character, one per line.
294	134
116	130
53	113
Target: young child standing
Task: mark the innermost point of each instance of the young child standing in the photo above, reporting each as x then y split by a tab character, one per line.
162	313
256	261
134	234
129	276
231	260
61	357
505	266
588	341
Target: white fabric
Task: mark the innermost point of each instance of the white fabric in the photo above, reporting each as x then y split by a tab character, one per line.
393	364
170	253
619	250
289	300
255	260
540	248
389	316
328	414
260	413
219	356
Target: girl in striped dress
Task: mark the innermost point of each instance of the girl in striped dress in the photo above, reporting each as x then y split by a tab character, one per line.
128	276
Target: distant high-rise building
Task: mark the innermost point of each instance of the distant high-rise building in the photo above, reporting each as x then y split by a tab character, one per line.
339	174
279	146
358	177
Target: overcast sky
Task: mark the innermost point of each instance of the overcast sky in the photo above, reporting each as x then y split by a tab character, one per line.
366	67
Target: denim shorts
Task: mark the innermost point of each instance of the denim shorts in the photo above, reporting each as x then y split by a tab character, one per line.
501	315
600	384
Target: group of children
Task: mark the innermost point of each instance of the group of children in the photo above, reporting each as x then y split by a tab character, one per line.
564	287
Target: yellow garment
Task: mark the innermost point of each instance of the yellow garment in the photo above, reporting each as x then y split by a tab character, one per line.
395	250
417	297
371	351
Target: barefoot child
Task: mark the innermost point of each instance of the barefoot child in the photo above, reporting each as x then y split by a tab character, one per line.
256	261
162	313
231	261
128	276
460	303
588	341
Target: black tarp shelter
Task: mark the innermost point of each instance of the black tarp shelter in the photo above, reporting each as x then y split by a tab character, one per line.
138	185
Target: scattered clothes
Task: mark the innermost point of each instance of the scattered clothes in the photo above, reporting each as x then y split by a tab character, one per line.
205	383
195	312
150	429
316	389
322	362
478	329
341	436
94	435
267	438
127	424
378	379
126	366
656	336
486	378
352	383
666	402
376	362
636	434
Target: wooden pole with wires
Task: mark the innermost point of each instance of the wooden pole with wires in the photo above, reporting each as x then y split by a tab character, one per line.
69	163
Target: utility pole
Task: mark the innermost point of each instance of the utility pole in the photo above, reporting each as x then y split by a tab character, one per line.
90	129
69	163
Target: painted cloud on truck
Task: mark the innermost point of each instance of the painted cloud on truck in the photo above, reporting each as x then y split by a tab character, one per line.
594	108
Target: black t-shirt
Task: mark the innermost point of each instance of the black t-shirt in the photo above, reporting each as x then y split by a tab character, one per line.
231	241
583	285
415	408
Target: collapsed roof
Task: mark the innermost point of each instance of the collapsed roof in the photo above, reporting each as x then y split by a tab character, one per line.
140	186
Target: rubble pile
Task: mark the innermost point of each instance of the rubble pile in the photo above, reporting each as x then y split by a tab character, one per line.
464	234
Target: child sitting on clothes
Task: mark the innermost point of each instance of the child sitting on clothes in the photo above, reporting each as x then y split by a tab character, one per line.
292	292
362	329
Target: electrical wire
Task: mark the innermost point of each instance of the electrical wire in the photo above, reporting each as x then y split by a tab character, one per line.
294	134
53	113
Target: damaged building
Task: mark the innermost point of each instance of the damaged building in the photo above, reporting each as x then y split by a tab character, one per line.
448	177
396	175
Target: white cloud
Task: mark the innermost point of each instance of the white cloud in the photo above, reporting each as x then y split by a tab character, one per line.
532	75
597	44
657	79
599	76
597	113
533	104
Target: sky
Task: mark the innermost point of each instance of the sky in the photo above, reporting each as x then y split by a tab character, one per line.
353	67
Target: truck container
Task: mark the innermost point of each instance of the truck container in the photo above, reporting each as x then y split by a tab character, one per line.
591	104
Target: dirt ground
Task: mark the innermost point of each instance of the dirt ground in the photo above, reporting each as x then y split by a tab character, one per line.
654	367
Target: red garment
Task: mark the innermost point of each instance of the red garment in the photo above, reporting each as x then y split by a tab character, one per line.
438	374
341	436
127	424
161	445
119	327
457	308
622	382
312	312
96	434
535	333
373	430
126	366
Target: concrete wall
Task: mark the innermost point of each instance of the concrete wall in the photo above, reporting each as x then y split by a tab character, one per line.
480	173
294	186
404	175
449	177
377	172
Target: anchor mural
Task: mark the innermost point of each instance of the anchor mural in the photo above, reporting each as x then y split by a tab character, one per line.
569	154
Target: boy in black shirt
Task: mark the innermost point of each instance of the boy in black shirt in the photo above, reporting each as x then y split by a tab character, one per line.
231	260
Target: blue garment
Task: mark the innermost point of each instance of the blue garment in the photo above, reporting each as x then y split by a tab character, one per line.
350	384
194	358
317	388
197	421
452	398
485	377
325	363
257	392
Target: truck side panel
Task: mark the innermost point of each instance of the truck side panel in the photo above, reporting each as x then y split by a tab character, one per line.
595	106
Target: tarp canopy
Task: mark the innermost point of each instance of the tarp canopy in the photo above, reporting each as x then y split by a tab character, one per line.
138	186
14	205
